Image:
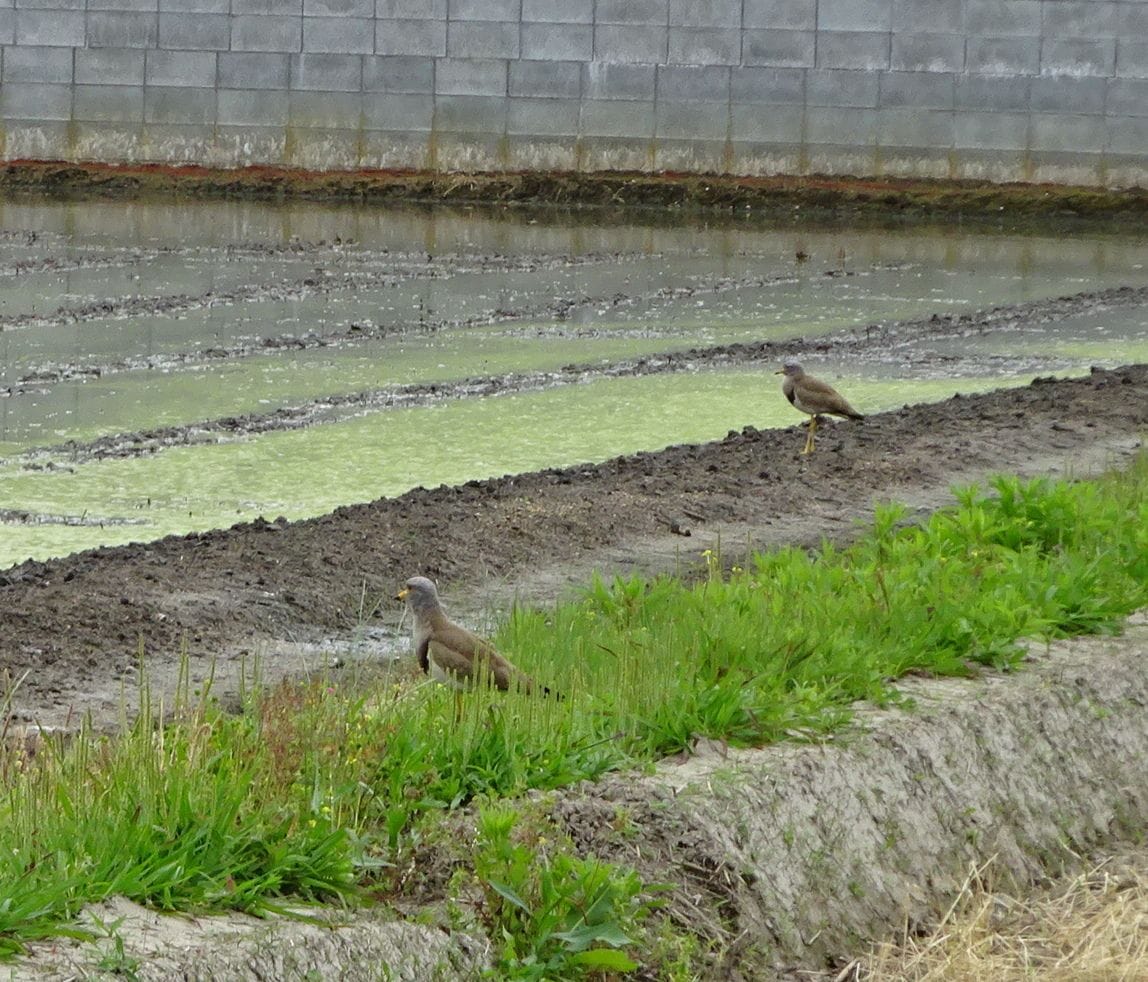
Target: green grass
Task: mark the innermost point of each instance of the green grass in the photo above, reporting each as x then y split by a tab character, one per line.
314	791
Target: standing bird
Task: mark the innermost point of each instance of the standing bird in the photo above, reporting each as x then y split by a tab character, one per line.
813	396
452	654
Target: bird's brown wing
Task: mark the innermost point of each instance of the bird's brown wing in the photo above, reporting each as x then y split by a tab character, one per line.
460	653
814	392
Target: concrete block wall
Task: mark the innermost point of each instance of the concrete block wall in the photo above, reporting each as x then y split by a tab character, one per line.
1001	89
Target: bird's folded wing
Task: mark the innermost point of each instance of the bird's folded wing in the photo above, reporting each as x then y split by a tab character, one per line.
463	654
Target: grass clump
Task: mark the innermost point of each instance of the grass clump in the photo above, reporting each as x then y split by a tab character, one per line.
314	792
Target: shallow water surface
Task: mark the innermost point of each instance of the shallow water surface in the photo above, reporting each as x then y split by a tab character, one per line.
242	360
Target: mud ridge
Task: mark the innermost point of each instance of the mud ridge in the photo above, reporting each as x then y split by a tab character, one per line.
76	625
868	341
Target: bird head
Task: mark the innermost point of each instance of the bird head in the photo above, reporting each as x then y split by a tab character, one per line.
790	368
420	594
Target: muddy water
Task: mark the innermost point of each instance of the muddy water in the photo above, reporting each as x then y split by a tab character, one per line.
164	368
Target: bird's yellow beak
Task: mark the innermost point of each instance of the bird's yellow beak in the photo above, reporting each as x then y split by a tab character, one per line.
780	371
402	594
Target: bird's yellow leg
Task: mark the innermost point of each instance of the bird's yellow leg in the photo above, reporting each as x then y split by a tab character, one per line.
809	438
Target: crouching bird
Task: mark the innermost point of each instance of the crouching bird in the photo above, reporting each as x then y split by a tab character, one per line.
453	655
813	396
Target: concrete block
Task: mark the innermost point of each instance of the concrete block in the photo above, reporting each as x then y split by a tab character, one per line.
1081	19
546	79
323	149
615	153
601	80
1068	94
704	46
1126	97
846	127
51	28
841	88
36	139
644	44
173	106
1002	56
558	11
411	9
778	48
928	16
260	33
325	110
532	153
36	64
654	12
470	114
180	143
780	15
855	16
1003	18
395	148
185	69
852	49
1131	20
926	90
767	86
252	107
617	118
705	13
778	124
991	131
500	10
1082	56
1128	135
280	8
557	42
254	70
339	35
927	53
195	32
33	100
110	29
766	159
1132	58
469	152
106	140
339	8
400	112
543	117
471	77
47	4
693	83
108	103
140	6
194	6
692	156
411	37
250	143
914	127
482	39
7	28
1067	132
993	93
690	121
110	66
398	73
326	72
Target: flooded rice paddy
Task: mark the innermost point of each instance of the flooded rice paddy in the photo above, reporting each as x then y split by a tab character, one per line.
169	368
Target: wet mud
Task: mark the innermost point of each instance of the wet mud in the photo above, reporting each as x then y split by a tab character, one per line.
76	631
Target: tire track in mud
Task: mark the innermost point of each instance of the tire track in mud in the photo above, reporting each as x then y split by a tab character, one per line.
871	342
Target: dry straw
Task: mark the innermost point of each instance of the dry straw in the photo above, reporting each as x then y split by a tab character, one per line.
1091	929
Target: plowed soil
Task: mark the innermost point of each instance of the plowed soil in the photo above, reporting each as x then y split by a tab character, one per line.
74	629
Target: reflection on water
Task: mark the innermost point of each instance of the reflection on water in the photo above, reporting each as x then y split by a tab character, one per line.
119	317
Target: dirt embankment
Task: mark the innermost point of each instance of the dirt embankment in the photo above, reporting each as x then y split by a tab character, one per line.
74	627
886	200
